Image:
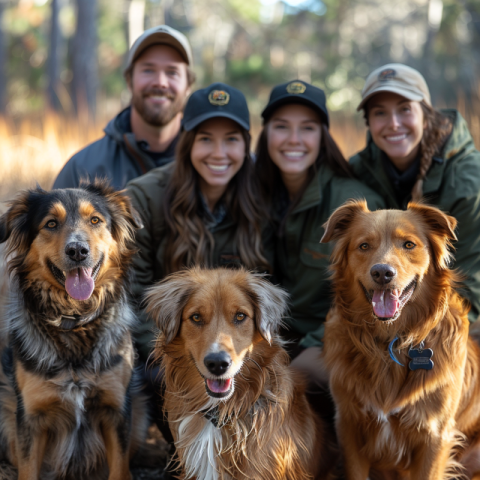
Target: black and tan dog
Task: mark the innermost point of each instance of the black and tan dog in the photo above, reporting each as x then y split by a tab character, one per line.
69	404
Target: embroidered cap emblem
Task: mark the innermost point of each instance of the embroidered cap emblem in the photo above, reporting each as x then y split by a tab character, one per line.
296	88
218	97
387	74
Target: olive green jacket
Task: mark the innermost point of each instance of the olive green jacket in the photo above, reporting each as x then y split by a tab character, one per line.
453	185
302	261
147	193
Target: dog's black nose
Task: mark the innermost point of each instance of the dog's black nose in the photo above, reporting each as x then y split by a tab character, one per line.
217	363
383	273
77	251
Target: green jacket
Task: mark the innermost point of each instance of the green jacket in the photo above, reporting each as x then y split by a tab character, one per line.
302	261
453	185
147	193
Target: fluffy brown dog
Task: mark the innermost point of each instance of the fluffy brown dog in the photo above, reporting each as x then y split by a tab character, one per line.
69	404
235	407
395	293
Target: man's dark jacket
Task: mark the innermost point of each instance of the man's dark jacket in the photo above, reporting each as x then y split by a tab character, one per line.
117	156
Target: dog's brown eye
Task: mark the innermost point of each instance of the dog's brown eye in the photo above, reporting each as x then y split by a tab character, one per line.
95	220
364	246
240	317
51	224
409	245
196	317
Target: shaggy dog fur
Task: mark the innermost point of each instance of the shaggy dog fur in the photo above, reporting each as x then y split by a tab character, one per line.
235	407
392	279
70	406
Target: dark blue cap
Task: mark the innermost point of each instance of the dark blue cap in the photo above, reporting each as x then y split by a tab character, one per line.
217	100
297	92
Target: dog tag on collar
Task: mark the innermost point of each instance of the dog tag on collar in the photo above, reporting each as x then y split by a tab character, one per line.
421	359
212	415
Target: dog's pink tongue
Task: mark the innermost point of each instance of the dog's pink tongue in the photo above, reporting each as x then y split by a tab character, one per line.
384	304
219	386
79	283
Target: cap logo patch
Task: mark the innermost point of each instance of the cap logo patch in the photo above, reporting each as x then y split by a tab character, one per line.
387	74
296	88
218	97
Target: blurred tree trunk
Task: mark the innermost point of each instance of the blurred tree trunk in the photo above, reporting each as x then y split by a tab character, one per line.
136	20
3	61
84	57
53	65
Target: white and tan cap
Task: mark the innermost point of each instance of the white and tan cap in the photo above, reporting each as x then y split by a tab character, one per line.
161	35
396	78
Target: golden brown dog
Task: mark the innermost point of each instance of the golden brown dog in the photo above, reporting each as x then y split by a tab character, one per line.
403	371
234	405
69	404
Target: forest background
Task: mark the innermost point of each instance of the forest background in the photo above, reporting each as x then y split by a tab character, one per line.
61	63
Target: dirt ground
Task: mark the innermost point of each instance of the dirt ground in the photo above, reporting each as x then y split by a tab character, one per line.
160	447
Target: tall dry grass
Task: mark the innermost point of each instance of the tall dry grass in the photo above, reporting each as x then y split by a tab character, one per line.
34	150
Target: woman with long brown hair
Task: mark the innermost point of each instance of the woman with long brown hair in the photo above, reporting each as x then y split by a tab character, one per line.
415	152
203	208
304	178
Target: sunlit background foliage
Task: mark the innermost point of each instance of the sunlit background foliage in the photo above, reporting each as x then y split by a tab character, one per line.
61	62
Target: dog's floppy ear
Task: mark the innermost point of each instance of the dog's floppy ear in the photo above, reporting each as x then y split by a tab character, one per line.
271	305
14	222
441	231
123	205
166	300
341	218
125	219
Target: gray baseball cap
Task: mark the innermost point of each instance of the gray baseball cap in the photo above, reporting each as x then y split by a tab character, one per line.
161	35
396	78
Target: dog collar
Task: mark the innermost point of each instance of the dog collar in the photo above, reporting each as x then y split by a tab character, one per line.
421	358
213	415
69	322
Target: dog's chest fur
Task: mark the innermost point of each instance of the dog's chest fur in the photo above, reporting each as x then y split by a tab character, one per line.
204	442
70	395
208	448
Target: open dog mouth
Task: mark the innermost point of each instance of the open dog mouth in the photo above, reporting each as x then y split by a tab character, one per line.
79	282
219	388
387	304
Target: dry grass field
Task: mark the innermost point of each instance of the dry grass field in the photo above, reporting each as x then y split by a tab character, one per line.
35	150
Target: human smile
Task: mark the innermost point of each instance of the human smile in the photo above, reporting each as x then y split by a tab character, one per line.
293	154
396	138
217	168
158	98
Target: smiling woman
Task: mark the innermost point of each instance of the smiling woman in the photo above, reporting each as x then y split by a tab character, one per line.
203	209
304	178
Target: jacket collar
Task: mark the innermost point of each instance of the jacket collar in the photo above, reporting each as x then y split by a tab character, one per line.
120	129
119	125
313	194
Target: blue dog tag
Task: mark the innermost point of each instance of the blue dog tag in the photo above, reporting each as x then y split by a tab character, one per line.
420	359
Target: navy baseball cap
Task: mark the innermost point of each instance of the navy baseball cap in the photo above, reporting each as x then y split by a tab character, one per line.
297	92
217	100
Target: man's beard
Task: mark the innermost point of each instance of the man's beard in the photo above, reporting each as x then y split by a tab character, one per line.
157	115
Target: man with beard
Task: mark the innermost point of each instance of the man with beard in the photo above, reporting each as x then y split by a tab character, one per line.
144	135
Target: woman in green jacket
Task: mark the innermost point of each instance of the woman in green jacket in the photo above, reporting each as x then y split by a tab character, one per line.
415	152
202	209
304	178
